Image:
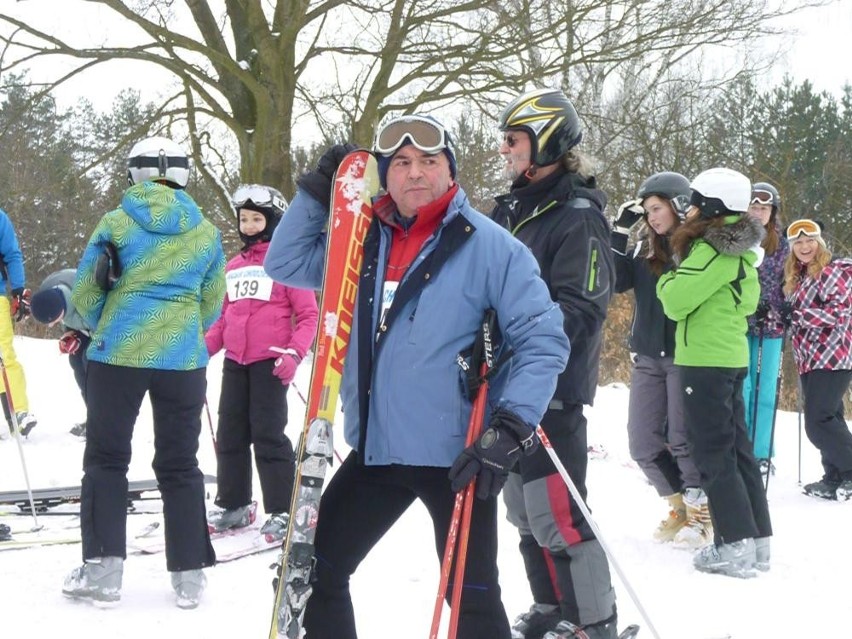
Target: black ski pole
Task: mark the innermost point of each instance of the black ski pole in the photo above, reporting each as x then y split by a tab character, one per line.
756	390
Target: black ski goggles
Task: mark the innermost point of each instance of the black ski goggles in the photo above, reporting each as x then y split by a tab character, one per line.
759	196
424	133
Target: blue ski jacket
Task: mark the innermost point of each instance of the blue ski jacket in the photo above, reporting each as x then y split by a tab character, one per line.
402	392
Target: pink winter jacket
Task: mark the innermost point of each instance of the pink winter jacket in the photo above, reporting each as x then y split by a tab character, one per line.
259	313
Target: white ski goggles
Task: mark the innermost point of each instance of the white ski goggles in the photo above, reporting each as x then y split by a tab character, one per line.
258	195
759	196
424	133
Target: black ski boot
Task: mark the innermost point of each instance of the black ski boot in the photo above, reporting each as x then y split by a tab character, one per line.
536	621
825	488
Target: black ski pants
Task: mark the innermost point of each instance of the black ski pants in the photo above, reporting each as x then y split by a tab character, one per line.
253	412
359	506
722	450
825	424
115	394
79	363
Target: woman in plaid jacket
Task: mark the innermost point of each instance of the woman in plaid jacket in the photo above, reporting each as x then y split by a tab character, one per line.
819	290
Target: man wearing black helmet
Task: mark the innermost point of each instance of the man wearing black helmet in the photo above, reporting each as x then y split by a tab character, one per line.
555	209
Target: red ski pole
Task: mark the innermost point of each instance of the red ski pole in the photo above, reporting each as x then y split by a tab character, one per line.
463	498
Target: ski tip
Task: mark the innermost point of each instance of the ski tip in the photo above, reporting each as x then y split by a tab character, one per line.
629	632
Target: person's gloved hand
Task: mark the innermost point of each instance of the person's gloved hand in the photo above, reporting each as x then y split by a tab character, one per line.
492	456
785	313
762	311
285	366
20	303
70	342
317	183
629	213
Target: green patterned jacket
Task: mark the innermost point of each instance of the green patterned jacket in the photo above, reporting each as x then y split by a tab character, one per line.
171	287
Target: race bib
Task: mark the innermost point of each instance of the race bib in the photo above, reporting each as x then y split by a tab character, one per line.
249	282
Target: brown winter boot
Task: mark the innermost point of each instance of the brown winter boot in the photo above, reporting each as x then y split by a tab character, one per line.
698	531
676	520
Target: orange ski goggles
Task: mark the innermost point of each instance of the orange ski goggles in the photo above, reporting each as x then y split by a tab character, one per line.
805	227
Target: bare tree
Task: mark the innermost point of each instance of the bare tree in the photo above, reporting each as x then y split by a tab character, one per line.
260	67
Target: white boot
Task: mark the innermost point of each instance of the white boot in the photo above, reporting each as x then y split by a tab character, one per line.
698	531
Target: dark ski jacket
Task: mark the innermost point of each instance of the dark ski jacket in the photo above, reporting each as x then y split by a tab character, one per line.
560	219
652	333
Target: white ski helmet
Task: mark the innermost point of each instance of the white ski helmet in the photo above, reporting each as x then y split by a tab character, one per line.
158	158
720	191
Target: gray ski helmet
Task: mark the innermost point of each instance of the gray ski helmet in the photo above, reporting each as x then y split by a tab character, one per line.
720	191
158	158
670	186
765	193
261	198
549	118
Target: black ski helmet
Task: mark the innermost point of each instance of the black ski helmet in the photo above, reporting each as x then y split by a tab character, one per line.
263	199
670	186
765	193
549	118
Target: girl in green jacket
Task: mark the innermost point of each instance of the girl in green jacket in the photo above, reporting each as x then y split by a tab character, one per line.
710	295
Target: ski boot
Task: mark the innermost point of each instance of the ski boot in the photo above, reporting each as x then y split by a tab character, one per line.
698	531
533	623
5	532
825	488
26	422
567	630
188	585
676	520
275	527
761	553
844	490
734	559
98	580
228	518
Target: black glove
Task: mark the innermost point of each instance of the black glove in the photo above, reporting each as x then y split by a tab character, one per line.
492	456
318	182
629	213
20	304
762	311
785	313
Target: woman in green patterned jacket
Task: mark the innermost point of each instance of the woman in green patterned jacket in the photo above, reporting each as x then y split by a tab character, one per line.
151	281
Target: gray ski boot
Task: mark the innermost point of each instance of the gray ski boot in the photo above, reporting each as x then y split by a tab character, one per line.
844	490
761	553
825	488
566	630
188	585
227	518
98	580
533	623
275	527
735	559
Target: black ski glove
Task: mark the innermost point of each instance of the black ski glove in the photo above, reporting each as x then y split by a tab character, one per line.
762	312
786	313
493	455
317	183
20	305
629	213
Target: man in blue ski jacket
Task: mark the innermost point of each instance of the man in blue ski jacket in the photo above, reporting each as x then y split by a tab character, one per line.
432	267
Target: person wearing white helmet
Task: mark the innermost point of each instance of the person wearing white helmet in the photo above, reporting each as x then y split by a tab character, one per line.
149	309
711	293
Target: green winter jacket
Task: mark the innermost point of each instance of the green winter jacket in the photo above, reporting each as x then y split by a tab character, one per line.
711	294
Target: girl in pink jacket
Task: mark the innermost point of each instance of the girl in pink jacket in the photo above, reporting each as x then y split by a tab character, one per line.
265	328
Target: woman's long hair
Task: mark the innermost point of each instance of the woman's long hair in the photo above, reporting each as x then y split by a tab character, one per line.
694	228
794	273
772	240
659	247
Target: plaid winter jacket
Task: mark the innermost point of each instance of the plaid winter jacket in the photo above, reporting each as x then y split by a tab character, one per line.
822	319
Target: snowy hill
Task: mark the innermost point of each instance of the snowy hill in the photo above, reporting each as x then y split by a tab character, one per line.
804	595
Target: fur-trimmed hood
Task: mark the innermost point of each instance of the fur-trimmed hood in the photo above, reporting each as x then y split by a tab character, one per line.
736	237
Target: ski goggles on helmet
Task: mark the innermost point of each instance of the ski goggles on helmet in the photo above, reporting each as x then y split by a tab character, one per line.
257	195
424	133
805	227
760	196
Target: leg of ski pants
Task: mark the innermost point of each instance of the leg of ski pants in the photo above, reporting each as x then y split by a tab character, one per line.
115	394
762	428
677	434
177	398
715	418
582	580
79	362
646	425
359	505
824	422
273	452
233	438
14	370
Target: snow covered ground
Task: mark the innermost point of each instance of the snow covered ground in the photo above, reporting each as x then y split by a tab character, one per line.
806	593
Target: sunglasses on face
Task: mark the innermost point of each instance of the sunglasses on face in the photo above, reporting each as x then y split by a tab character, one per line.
761	197
807	228
425	134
